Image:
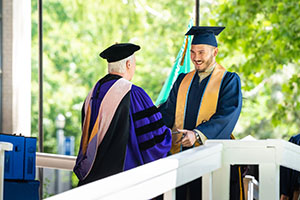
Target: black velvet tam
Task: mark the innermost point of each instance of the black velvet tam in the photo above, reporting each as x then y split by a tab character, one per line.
119	51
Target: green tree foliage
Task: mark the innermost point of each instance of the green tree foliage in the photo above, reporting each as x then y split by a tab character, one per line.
75	32
261	43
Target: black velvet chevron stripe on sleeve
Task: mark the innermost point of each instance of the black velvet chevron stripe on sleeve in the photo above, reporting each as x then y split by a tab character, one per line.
150	143
149	127
145	113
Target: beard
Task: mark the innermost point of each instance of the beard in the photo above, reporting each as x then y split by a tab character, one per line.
205	64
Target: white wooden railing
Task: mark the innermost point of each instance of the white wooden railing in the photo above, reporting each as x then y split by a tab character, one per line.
152	179
212	161
55	161
267	154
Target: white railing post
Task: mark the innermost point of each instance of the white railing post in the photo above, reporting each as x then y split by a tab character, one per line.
251	187
170	195
207	186
220	182
269	181
4	146
1	173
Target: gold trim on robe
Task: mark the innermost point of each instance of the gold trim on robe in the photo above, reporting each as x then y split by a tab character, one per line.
208	103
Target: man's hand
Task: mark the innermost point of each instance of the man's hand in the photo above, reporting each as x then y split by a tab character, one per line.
188	138
283	197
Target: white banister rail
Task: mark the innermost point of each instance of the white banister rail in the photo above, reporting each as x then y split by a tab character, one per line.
56	161
153	179
212	161
4	146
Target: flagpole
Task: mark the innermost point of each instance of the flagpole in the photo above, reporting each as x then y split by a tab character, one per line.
197	12
40	122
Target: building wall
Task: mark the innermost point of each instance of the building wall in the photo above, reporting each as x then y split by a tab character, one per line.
16	38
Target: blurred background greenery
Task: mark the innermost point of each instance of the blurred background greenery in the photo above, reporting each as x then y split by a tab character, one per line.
261	43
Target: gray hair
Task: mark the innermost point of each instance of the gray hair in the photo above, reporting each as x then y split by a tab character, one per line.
119	66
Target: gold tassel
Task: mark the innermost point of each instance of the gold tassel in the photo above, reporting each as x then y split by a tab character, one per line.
184	51
185	48
241	182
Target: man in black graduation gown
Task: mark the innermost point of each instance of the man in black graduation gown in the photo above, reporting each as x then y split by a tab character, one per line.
203	104
289	178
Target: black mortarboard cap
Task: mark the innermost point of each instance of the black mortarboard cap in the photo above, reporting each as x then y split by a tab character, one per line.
119	51
205	34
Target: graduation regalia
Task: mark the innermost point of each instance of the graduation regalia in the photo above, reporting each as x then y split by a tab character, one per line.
219	95
134	135
289	178
222	122
121	128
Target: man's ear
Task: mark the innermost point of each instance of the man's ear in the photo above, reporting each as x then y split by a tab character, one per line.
216	50
128	64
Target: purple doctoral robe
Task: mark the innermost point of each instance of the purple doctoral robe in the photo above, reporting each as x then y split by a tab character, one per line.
136	134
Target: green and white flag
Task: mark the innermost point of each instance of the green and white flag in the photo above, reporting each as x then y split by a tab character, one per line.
177	68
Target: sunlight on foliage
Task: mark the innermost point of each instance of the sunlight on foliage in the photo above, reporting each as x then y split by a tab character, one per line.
261	43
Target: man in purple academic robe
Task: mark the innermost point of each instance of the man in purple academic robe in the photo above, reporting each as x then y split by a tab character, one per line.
121	128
